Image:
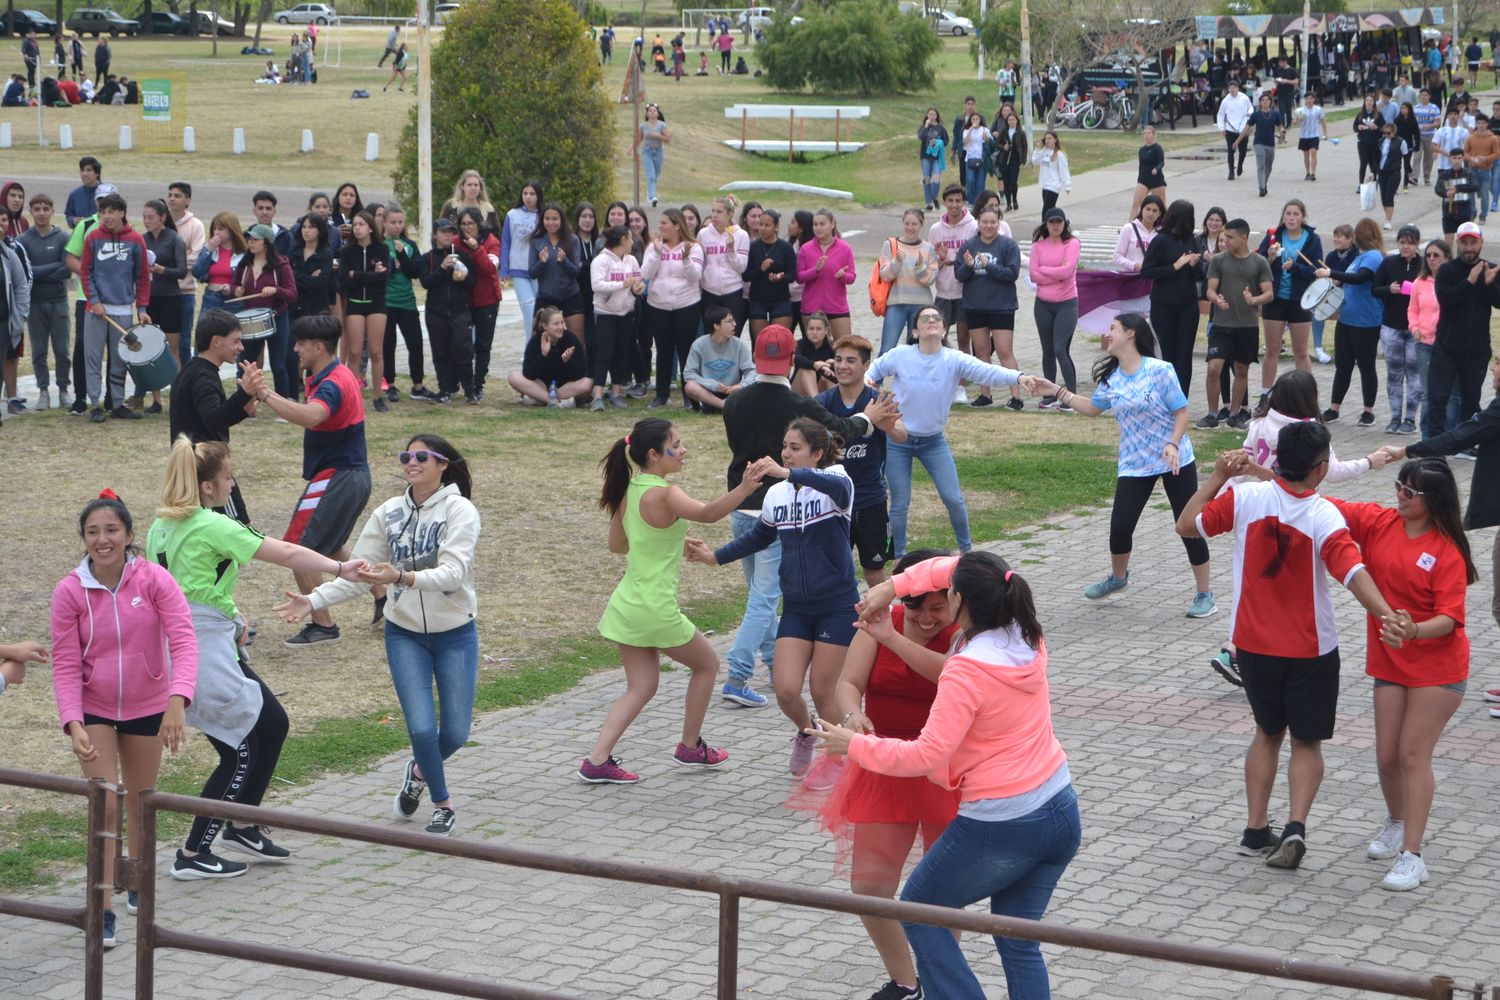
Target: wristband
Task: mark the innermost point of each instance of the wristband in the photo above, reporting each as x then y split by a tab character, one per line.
843	722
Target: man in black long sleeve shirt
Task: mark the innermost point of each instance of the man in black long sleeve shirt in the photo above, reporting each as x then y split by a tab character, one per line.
1467	290
755	420
199	406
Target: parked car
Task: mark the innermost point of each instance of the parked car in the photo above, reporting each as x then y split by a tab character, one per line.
945	23
308	13
164	22
441	11
206	24
98	21
760	18
30	20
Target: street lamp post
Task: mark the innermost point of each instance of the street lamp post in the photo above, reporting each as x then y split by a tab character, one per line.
424	115
1026	71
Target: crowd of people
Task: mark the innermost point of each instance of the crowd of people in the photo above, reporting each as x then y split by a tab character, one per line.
49	83
929	690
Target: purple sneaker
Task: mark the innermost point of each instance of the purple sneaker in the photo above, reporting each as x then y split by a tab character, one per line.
701	755
608	773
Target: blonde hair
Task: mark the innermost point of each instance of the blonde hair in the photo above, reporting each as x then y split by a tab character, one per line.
457	201
188	467
231	225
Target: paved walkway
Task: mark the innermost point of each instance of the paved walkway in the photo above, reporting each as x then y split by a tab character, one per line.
1156	743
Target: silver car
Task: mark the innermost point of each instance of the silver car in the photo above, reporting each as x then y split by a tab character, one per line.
308	13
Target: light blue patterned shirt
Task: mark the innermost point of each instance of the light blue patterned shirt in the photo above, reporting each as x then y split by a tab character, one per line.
1146	405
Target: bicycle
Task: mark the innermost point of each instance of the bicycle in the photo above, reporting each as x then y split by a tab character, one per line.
1119	111
1075	112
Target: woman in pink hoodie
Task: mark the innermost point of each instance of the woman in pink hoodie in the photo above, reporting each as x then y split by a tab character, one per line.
1054	271
825	267
124	666
672	269
988	735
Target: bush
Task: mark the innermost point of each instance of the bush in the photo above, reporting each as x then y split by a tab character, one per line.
518	94
862	46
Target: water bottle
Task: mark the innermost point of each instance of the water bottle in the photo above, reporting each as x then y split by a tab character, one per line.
552	391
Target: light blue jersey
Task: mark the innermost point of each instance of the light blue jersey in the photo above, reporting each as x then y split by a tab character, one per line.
1146	405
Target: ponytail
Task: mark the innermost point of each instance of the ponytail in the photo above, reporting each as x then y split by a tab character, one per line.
188	467
995	596
648	435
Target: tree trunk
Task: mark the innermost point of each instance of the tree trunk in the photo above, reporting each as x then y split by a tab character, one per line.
260	20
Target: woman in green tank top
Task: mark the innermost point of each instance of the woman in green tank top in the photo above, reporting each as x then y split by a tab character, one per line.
648	525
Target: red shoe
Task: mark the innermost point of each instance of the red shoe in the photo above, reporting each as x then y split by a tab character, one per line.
701	755
608	773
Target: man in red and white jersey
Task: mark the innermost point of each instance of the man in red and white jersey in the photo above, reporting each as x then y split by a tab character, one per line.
1287	541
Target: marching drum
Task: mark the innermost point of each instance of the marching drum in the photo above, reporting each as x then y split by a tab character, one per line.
148	357
1322	298
257	324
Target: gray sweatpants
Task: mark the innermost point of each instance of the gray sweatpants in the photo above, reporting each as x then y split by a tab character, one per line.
49	324
96	333
1264	157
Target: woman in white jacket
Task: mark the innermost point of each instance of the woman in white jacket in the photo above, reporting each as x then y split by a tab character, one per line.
673	267
1052	169
421	544
615	277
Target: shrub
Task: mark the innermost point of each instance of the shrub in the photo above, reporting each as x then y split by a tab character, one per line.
517	94
861	46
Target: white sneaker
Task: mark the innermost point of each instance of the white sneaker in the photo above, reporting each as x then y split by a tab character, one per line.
44	400
1387	843
1406	874
1323	356
63	400
961	396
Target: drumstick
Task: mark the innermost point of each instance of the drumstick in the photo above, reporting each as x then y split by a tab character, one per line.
130	338
245	298
1308	262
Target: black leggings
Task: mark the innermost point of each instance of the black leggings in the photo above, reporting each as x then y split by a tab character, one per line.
483	318
1369	156
640	356
1055	324
674	331
609	349
1355	345
1176	329
1131	495
1231	144
1049	199
244	772
1390	183
410	325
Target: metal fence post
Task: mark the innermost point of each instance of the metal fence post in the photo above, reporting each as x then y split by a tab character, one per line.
144	880
93	913
729	946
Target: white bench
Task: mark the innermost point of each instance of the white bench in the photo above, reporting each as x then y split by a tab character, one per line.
792	114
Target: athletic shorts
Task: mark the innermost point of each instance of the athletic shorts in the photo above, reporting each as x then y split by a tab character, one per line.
570	306
989	319
870	531
329	509
952	310
375	307
768	310
1285	311
1237	344
1308	143
12	351
834	626
1457	687
1293	693
146	725
834	316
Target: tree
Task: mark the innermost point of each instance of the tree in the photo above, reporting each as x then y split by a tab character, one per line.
861	46
520	116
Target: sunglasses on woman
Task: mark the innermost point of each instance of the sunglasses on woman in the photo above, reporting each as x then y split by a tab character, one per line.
1405	492
1435	255
421	456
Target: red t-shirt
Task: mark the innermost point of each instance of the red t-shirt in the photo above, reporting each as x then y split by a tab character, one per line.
1424	575
1283	544
898	698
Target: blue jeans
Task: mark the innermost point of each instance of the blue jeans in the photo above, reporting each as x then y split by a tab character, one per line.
932	179
526	298
1495	186
932	451
1483	195
1317	332
451	660
651	159
758	627
974	179
278	345
899	317
185	350
1017	864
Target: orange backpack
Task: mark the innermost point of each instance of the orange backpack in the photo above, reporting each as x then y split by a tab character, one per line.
880	289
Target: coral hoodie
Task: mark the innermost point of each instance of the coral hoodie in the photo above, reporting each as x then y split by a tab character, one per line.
948	239
110	650
989	733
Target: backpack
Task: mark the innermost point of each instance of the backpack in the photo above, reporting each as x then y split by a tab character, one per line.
880	289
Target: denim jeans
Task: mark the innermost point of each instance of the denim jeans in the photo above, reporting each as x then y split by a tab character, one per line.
526	298
758	627
1495	186
651	159
418	660
932	178
974	179
1484	194
932	451
899	317
1017	864
185	349
277	346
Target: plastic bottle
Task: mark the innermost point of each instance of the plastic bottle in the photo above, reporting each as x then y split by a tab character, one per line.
552	391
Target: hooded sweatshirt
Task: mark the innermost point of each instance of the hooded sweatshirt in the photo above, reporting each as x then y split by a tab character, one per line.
435	541
673	273
950	239
121	654
18	223
557	276
1260	441
825	291
725	256
515	236
611	278
989	732
113	269
190	228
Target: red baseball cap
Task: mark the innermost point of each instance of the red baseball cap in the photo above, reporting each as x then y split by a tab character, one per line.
774	348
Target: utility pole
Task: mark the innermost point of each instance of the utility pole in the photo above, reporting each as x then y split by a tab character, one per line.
424	115
1306	31
984	7
1026	72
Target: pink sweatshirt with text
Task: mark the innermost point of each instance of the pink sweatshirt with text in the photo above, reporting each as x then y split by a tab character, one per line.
824	291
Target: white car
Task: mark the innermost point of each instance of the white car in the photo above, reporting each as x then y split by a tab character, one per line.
760	18
945	23
308	13
441	11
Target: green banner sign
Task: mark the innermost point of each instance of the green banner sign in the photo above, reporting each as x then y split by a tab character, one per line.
156	100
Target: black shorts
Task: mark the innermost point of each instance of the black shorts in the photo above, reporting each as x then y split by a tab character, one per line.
1292	693
989	319
374	307
146	725
834	626
952	310
870	531
166	312
1237	344
769	310
1308	143
834	316
9	351
1285	311
328	511
570	306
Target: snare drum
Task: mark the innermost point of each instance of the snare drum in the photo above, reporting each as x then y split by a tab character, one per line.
1323	298
257	324
149	359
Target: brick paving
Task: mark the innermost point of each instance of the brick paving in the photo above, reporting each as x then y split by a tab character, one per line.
1156	743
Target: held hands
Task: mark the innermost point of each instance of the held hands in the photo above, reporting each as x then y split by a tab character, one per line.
383	573
1378	458
1231	463
1397	629
768	466
857	722
354	570
1038	386
880	627
698	551
1390	453
876	601
297	607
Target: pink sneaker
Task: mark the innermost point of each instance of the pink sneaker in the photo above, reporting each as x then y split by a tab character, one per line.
824	774
1495	711
701	755
1492	695
608	773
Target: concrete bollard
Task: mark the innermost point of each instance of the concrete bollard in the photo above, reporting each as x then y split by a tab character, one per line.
307	140
124	137
372	146
65	137
189	140
4	135
239	142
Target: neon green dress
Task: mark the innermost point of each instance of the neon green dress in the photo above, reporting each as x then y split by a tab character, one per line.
643	609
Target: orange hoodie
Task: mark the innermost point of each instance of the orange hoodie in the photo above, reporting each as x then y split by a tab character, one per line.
989	733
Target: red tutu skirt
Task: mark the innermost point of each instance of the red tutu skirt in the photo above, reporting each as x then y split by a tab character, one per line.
863	796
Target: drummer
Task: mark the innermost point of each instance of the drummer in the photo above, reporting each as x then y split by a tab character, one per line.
199	408
117	286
